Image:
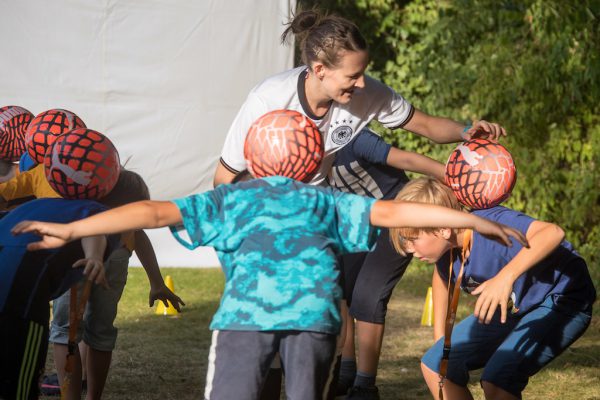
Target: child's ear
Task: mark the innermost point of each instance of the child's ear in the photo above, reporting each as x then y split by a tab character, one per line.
445	233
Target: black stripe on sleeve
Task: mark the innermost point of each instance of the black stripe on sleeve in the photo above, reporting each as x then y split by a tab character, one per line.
407	119
227	167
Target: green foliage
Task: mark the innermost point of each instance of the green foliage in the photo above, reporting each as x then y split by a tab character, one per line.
531	65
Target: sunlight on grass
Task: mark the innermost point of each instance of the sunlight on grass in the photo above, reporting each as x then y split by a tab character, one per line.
160	357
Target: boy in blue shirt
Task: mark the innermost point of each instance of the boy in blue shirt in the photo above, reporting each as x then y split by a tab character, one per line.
278	241
523	292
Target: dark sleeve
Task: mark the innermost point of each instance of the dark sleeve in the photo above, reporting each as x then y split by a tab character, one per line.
371	148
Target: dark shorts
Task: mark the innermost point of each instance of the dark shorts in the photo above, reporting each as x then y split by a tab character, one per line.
23	347
368	279
512	352
238	363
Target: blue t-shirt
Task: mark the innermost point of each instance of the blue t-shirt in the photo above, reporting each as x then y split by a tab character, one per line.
563	273
30	279
361	167
278	241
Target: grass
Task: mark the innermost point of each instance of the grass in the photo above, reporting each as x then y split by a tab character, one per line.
161	357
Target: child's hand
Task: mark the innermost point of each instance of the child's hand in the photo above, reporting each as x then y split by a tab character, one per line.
493	293
499	232
53	235
163	293
485	130
94	270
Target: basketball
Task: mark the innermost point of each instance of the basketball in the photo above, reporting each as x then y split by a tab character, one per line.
481	173
14	121
46	127
82	164
284	143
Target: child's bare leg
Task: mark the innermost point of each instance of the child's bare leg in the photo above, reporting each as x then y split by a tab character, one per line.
369	337
452	391
60	361
98	364
492	391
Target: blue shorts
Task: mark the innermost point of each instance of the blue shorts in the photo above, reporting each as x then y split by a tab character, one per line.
512	352
101	310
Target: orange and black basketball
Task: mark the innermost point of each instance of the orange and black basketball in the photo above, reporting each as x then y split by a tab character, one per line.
481	173
285	143
14	121
46	127
82	164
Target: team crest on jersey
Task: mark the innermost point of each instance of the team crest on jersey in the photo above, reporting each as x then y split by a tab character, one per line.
342	135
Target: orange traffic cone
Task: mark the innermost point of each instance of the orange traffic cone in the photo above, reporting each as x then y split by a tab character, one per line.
427	317
170	310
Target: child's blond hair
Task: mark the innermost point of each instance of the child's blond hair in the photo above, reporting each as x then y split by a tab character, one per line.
426	190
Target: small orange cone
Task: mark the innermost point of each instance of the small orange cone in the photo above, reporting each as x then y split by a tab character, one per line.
427	317
160	308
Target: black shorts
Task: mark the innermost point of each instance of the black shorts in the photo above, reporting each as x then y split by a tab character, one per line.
368	279
23	347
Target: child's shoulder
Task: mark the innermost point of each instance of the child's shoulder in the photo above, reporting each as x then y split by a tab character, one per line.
504	215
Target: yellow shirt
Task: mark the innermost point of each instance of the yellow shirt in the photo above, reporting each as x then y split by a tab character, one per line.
26	184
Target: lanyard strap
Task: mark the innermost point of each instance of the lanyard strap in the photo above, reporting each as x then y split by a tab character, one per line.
75	317
452	306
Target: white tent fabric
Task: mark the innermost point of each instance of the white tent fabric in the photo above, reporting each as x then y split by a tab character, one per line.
163	79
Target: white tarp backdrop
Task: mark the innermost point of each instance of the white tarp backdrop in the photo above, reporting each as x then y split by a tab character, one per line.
163	79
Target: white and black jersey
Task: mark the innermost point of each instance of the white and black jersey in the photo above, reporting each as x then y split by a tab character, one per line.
342	122
361	168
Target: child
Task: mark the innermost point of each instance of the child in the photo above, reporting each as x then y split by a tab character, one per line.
99	334
28	281
546	286
371	167
278	242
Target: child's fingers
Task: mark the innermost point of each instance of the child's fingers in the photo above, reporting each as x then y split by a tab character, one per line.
503	311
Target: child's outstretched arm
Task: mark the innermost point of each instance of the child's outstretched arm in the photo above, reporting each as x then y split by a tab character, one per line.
394	214
158	289
543	238
134	216
414	162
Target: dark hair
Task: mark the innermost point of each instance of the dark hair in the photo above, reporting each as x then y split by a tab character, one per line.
5	167
245	175
130	187
323	37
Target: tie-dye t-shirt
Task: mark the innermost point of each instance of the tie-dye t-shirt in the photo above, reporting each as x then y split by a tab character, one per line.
278	242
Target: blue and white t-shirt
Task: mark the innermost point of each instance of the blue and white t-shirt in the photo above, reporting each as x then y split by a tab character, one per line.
278	241
562	273
361	168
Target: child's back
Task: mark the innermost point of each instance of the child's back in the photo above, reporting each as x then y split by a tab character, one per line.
278	240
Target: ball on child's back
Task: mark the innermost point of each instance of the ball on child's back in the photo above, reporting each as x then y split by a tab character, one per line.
481	173
14	121
285	143
82	164
46	127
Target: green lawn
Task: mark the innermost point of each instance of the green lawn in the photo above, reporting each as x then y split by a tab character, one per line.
161	357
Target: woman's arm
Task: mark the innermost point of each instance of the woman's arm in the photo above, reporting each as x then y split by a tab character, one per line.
139	215
543	238
445	130
409	161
